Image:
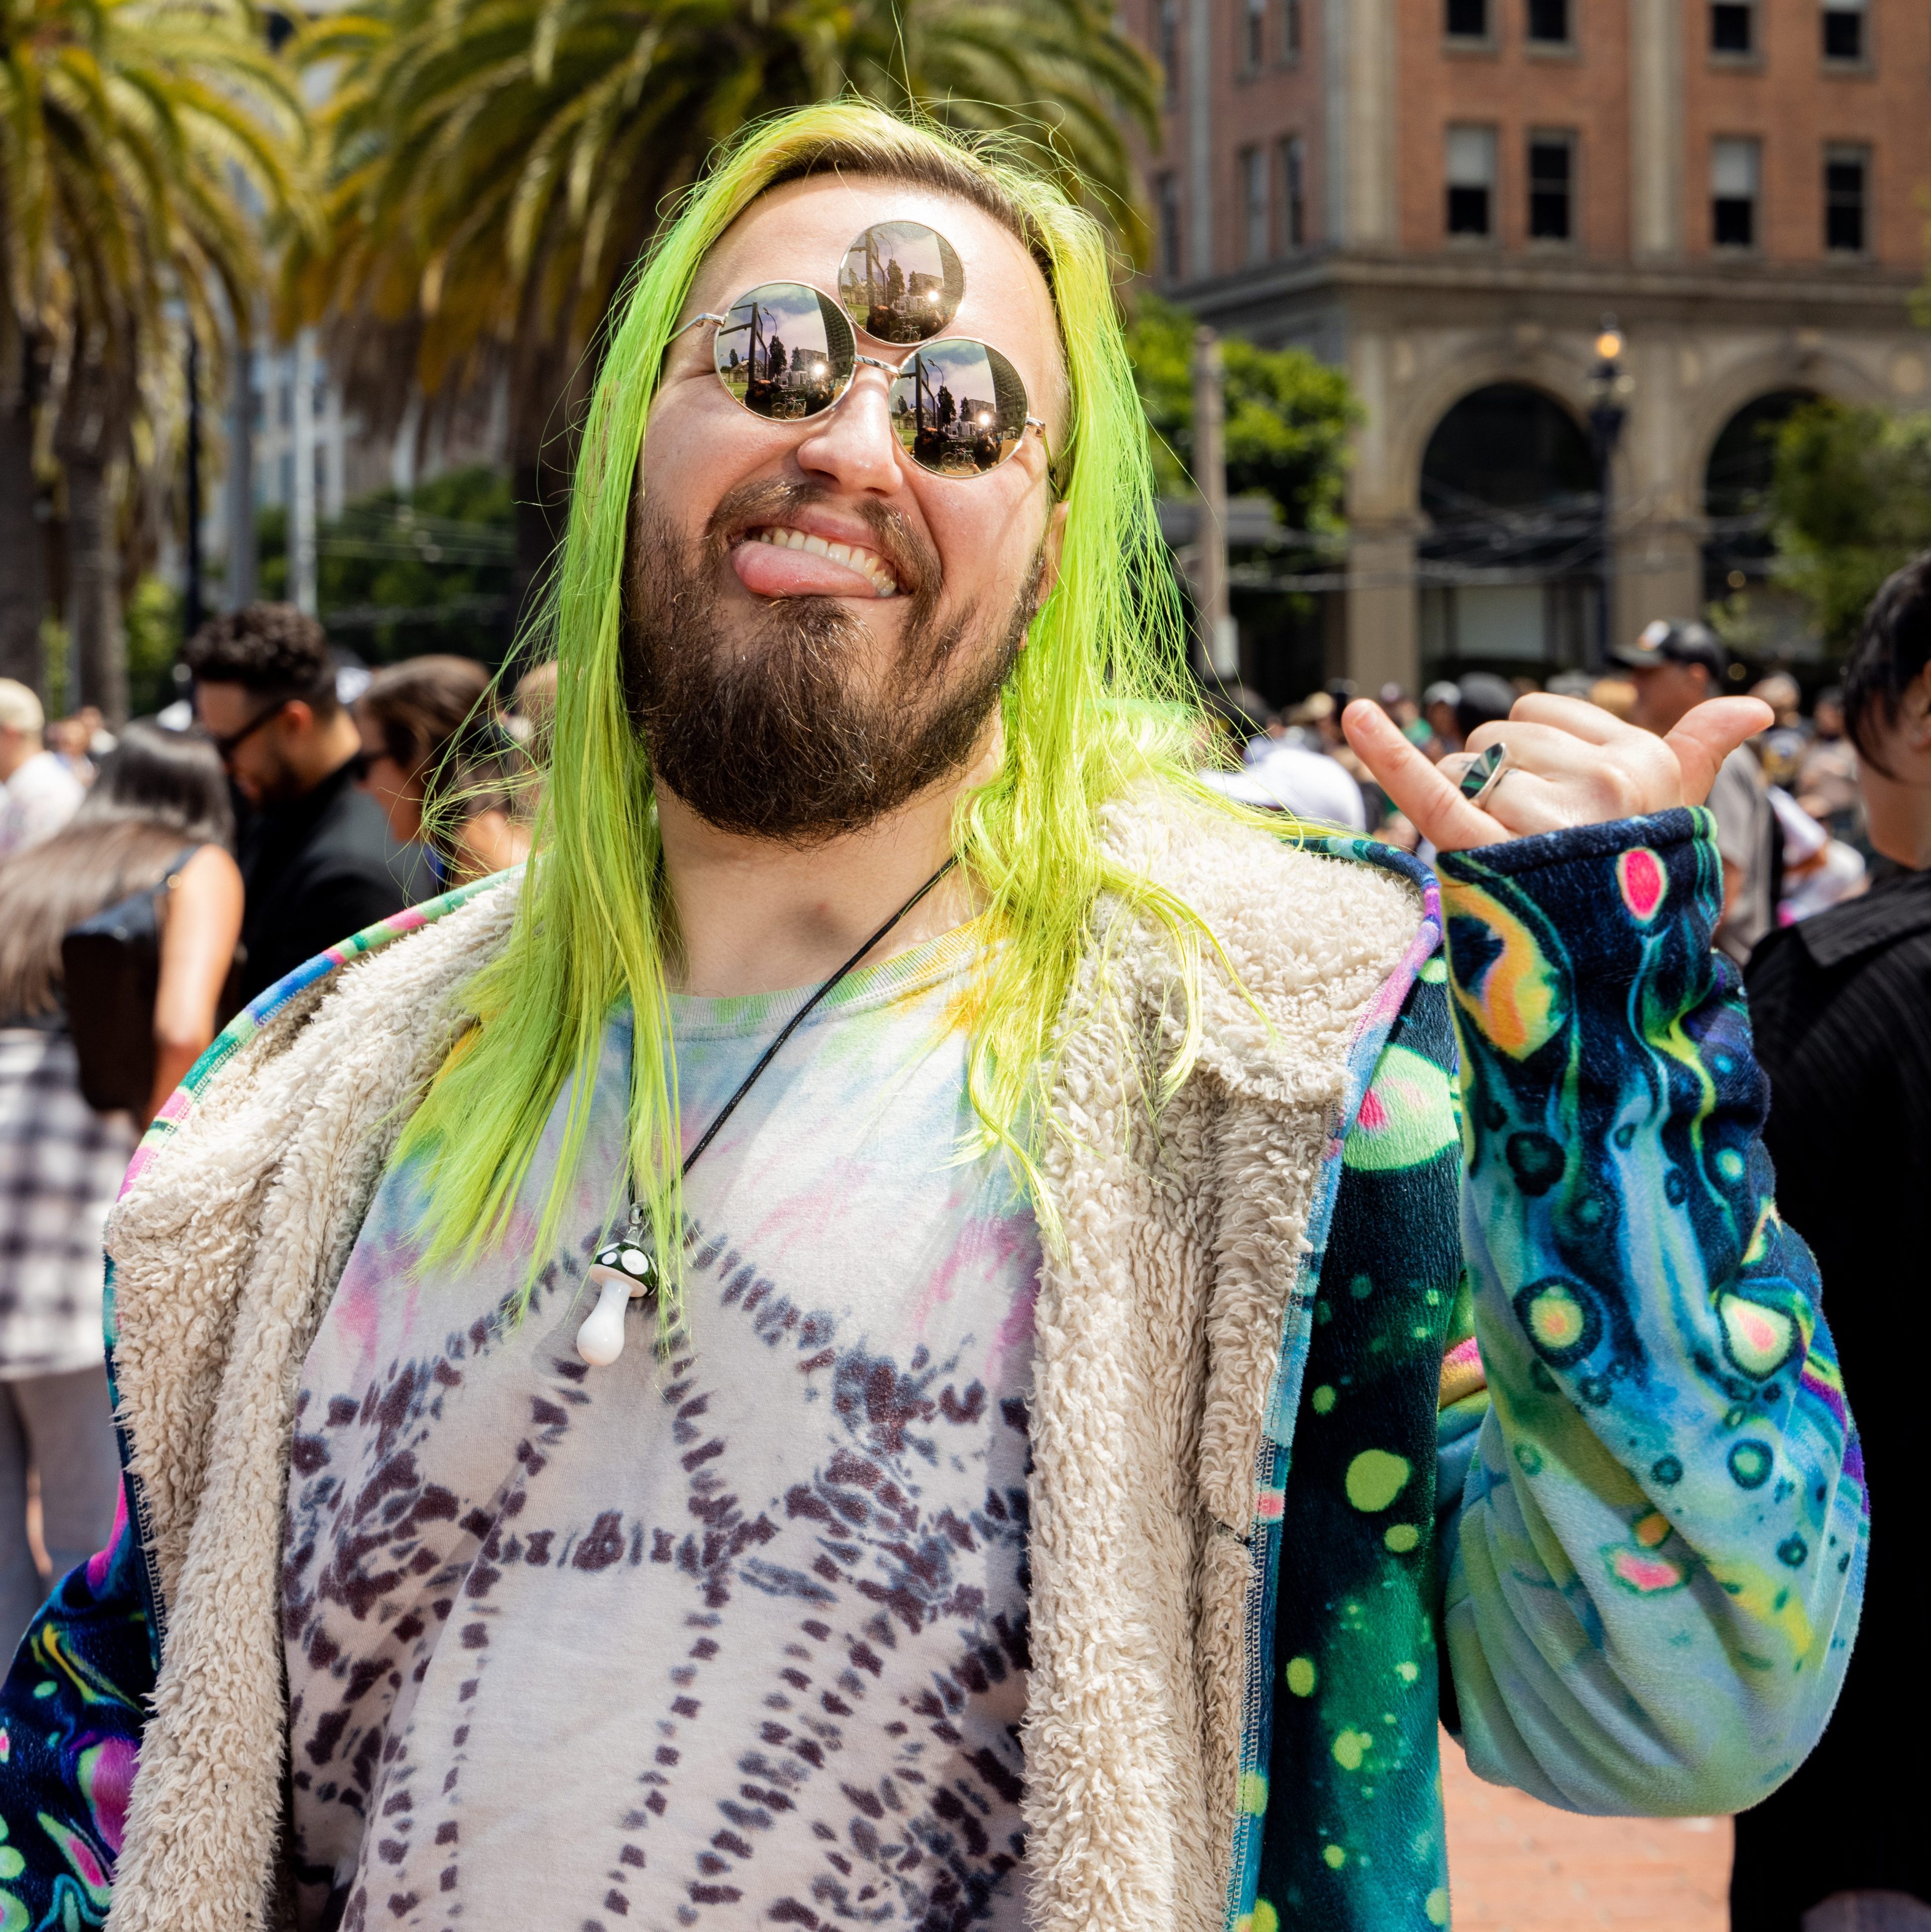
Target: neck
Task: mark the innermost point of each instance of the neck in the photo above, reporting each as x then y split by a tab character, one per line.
757	917
322	752
1900	815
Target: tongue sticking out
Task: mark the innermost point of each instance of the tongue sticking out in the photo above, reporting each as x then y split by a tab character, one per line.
766	571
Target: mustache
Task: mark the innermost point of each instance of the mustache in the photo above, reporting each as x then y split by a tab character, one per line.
913	560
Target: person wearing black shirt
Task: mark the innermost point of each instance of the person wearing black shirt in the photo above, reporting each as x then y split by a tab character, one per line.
1841	1008
316	855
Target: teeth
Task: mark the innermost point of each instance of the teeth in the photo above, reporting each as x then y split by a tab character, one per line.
867	563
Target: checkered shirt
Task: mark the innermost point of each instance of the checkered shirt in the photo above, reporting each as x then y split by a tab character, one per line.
61	1164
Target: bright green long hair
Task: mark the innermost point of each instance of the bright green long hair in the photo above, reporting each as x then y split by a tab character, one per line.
1098	705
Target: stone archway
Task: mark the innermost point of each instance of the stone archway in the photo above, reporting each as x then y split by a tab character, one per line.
1511	552
1738	549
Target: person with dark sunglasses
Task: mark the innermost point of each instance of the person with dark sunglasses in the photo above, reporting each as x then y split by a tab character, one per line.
317	857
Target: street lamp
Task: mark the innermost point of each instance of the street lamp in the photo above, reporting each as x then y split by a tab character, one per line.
1609	385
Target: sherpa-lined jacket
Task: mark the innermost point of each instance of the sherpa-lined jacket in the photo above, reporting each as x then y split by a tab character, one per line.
1270	1492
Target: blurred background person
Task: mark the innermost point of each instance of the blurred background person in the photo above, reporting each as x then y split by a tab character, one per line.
1818	872
315	851
1780	750
1615	695
1840	1006
160	802
533	713
1437	706
1675	667
1827	774
449	775
38	794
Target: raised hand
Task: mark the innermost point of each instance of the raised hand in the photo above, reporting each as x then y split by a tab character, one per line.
1569	763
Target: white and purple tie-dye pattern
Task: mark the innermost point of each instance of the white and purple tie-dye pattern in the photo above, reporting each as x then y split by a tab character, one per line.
734	1638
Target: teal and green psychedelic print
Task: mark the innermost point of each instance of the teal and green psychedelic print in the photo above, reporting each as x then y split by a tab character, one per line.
1651	1525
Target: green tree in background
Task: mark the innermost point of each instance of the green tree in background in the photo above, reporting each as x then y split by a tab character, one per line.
397	577
497	166
1288	416
139	140
1850	501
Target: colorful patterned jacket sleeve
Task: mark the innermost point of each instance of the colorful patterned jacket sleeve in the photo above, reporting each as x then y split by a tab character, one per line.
1653	1581
71	1710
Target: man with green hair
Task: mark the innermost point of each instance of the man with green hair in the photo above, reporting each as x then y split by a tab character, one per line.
921	1324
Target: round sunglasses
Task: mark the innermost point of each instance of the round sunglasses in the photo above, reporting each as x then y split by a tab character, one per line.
786	351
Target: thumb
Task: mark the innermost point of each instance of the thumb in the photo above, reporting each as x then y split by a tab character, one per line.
1708	734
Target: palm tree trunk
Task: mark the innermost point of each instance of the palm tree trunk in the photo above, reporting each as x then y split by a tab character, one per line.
90	433
23	579
94	593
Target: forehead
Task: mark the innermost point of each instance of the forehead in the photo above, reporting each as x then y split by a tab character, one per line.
800	232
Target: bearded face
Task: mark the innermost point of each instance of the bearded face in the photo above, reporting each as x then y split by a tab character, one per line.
778	721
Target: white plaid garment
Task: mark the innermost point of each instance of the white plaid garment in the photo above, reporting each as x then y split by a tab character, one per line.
61	1164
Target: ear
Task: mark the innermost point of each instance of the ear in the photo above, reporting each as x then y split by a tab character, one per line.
1914	713
297	717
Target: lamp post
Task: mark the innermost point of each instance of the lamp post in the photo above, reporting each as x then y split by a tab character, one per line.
1609	384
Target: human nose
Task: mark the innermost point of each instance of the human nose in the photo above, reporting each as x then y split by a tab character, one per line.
854	445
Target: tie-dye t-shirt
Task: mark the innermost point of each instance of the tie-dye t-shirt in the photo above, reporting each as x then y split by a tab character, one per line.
736	1637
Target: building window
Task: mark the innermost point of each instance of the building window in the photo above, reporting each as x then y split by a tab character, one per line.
1733	27
1552	185
1467	19
1291	30
1254	204
1471	180
1847	173
1734	168
1170	50
1844	30
1294	180
1548	22
1167	201
1253	35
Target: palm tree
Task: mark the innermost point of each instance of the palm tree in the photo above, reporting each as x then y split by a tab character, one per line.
497	165
141	143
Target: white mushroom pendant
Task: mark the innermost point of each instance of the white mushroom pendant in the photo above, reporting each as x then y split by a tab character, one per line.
622	1272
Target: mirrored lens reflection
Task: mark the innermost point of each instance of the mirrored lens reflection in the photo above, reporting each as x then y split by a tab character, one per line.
785	351
902	282
959	408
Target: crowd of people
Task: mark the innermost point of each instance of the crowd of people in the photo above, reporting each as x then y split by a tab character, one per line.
1790	813
174	872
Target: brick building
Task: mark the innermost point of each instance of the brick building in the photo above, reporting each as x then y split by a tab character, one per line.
1449	196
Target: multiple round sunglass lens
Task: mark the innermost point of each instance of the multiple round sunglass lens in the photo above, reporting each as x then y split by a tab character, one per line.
786	351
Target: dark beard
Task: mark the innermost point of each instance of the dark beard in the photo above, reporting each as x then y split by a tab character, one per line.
765	731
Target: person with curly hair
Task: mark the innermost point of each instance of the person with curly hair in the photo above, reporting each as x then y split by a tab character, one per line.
315	851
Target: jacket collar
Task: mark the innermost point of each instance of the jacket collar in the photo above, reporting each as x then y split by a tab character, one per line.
1888	913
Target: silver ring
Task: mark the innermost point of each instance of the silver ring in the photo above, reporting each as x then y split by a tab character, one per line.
1484	772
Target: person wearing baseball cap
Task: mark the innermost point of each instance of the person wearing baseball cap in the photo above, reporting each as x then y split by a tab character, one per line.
1675	665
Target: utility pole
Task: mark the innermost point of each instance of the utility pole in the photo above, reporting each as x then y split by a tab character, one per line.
1219	639
302	509
242	560
192	610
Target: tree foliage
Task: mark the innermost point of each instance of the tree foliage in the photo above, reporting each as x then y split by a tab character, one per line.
497	167
397	576
1850	501
1288	415
140	142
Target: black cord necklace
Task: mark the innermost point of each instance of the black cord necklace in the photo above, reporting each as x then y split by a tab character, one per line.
625	1270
